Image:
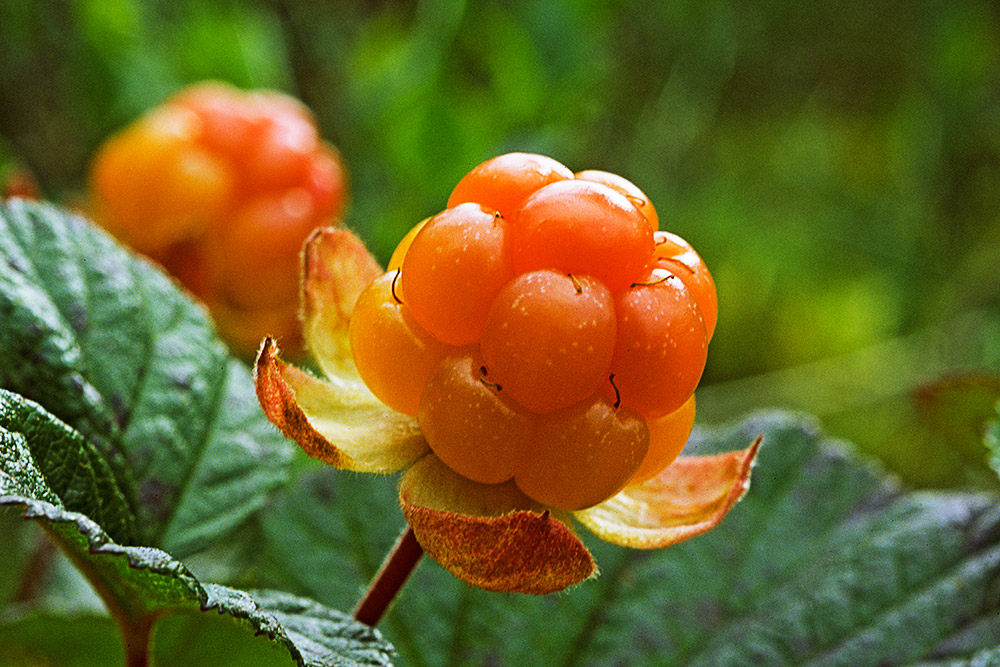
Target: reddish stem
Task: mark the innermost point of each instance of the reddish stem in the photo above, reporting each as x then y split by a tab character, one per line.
35	574
396	569
137	641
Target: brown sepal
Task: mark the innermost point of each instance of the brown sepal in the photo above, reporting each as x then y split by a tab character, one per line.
491	536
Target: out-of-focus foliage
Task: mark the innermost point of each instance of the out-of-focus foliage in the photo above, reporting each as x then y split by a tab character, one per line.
838	166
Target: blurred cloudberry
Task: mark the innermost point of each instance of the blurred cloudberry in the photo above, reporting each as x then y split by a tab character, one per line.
222	187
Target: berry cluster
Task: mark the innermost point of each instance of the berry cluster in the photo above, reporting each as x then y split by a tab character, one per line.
222	187
542	330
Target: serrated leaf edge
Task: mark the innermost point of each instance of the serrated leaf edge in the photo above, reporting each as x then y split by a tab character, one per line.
98	543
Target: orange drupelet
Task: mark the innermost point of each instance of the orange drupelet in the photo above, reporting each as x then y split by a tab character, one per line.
667	437
583	454
549	338
581	227
662	346
497	427
393	353
503	183
627	188
454	269
675	254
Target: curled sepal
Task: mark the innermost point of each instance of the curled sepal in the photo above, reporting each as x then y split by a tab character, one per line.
341	423
491	535
690	497
336	268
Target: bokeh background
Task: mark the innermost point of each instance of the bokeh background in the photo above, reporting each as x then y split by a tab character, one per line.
837	165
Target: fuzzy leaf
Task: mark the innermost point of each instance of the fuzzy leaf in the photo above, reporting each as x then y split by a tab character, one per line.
141	584
110	345
823	562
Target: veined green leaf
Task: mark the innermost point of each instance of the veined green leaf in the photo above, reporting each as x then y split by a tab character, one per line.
140	585
45	459
114	348
181	640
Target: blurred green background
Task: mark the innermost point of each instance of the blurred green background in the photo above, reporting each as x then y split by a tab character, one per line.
837	166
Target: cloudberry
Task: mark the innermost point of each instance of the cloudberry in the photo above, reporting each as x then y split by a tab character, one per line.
547	332
222	187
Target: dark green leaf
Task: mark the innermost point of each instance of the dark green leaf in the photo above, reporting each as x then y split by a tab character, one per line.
993	441
111	346
70	471
824	562
141	584
181	640
321	635
20	541
986	658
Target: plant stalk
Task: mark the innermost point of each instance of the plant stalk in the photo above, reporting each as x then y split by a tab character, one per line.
396	569
136	638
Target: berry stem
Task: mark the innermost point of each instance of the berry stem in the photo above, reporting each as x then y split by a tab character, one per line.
137	640
396	569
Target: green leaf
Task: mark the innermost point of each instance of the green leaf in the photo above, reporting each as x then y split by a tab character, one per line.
112	346
69	470
824	562
992	437
180	640
141	584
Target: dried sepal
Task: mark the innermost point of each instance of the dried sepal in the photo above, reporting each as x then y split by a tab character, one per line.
690	497
491	536
340	423
336	268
